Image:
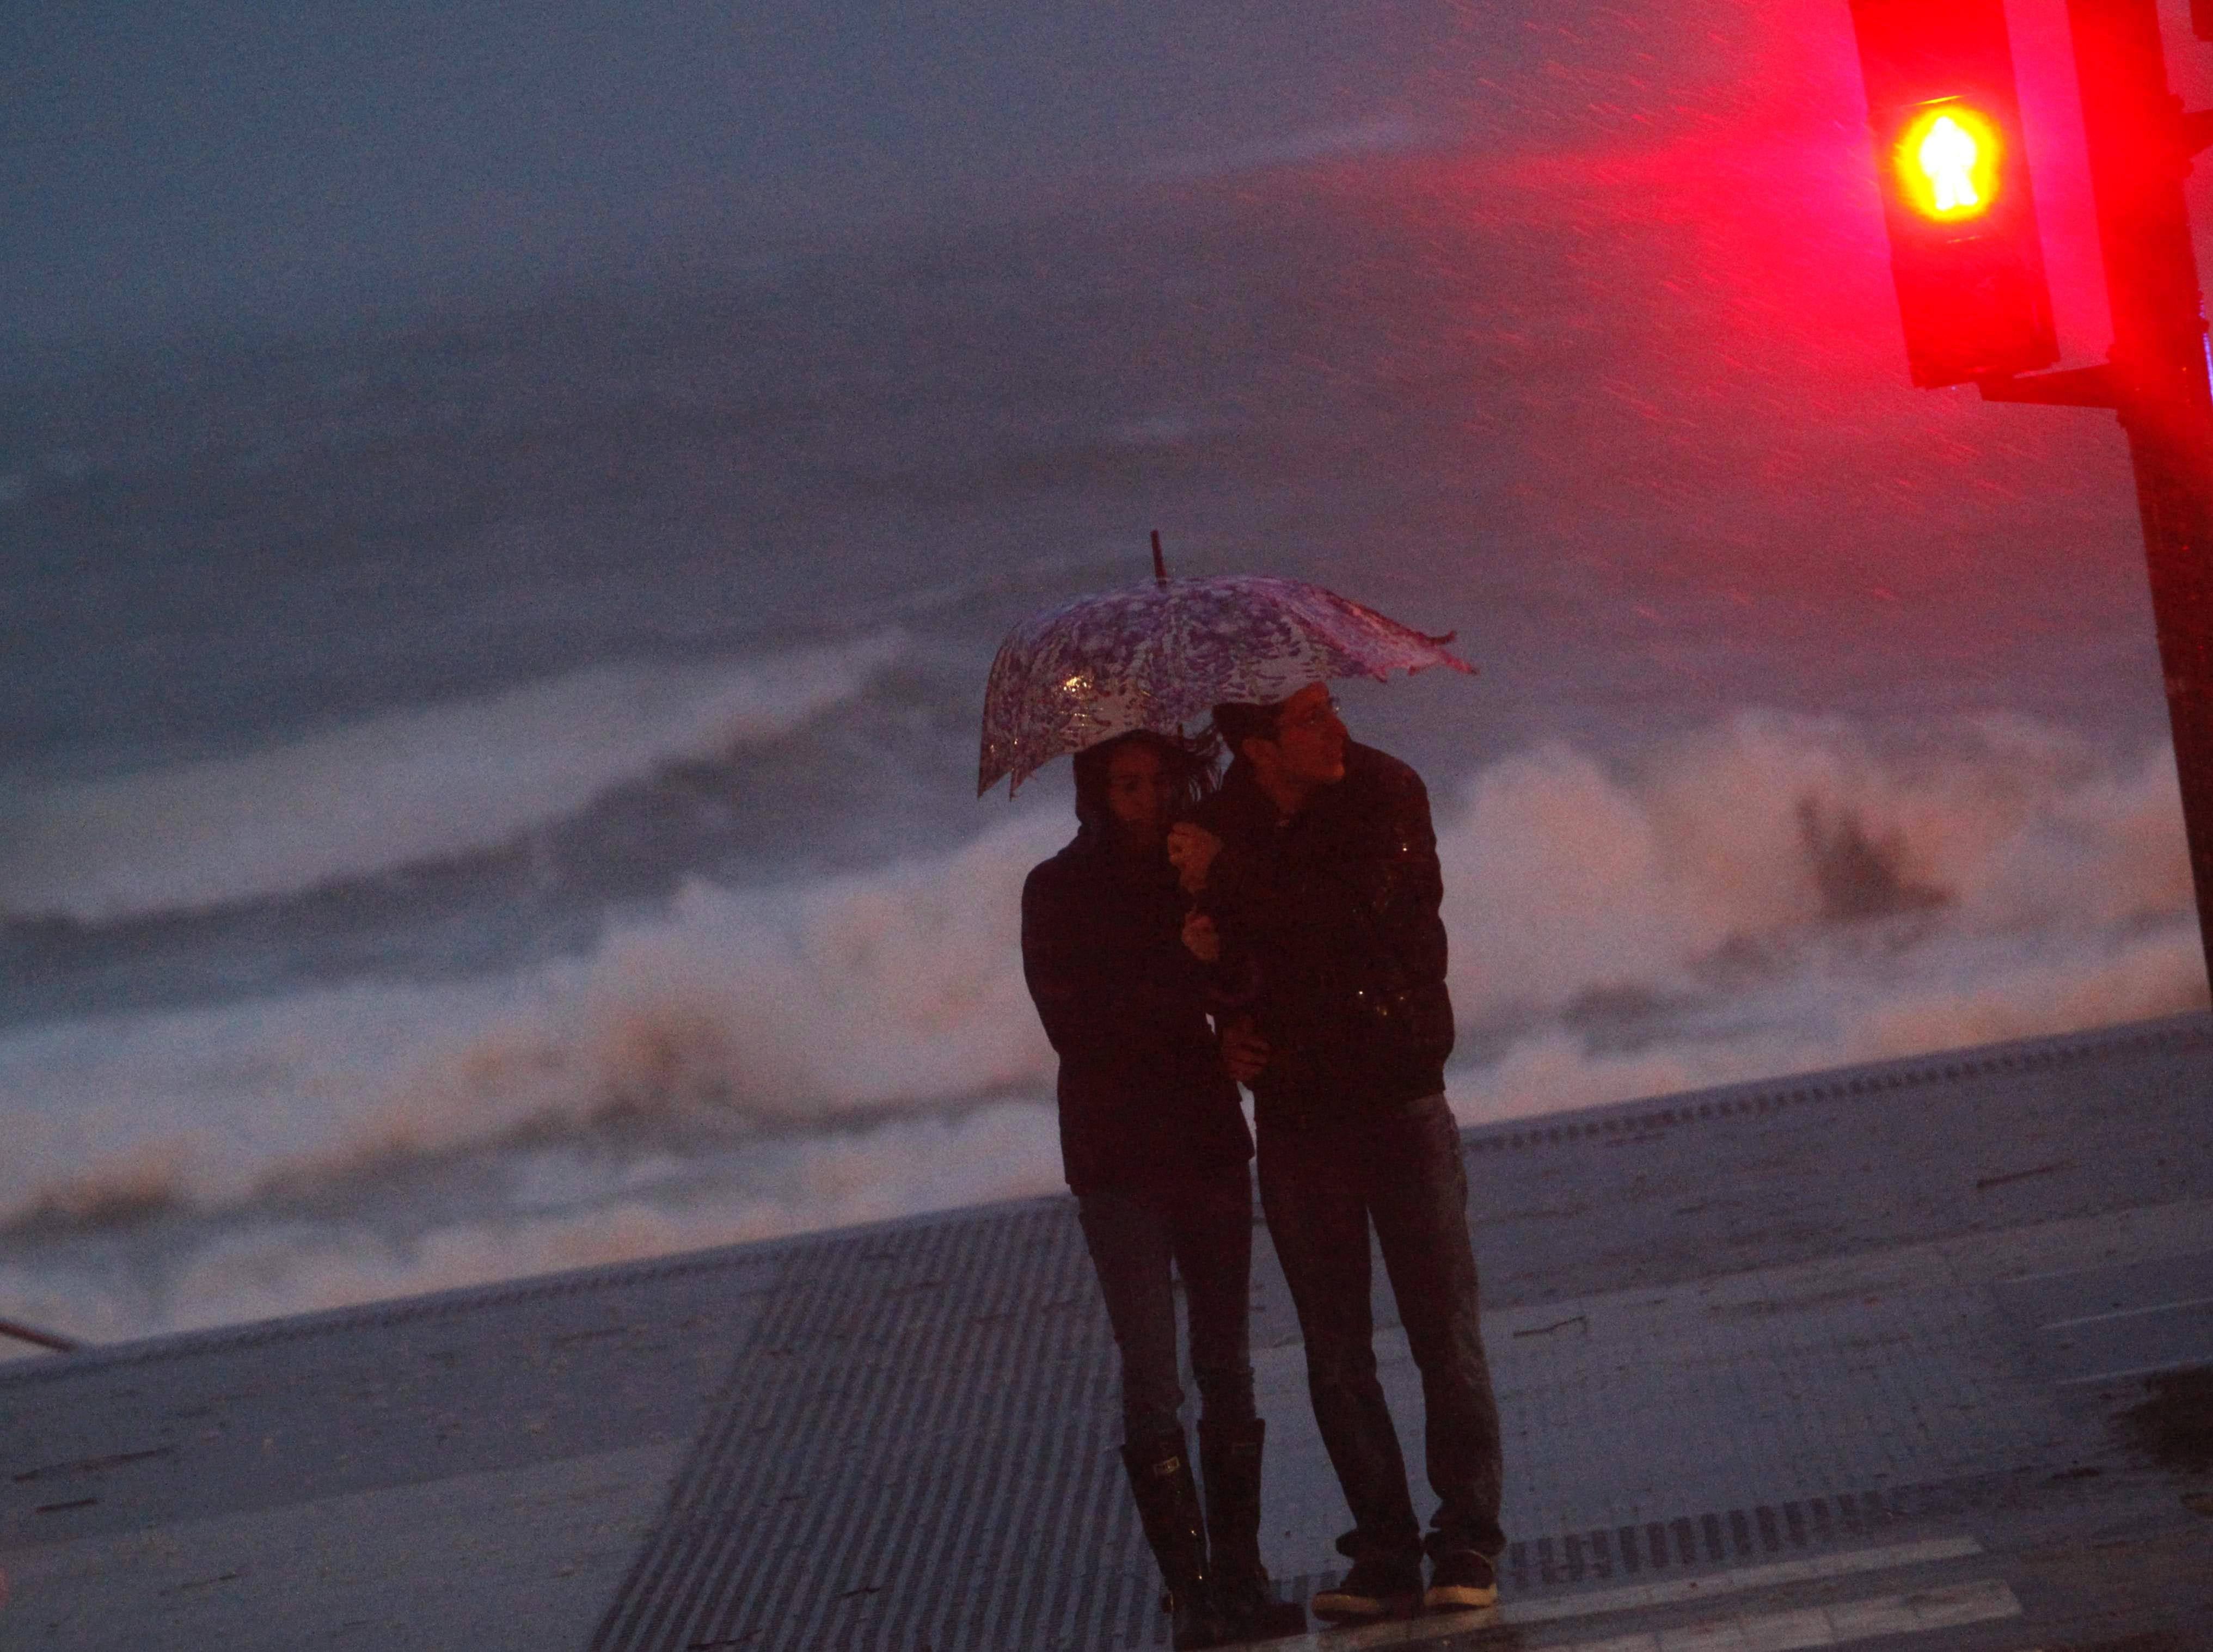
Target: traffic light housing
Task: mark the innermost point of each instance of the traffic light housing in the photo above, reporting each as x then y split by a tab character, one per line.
1954	173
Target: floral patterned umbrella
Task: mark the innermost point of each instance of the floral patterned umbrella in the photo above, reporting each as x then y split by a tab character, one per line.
1162	655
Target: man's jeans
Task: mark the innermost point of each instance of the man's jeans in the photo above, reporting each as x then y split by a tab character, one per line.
1203	1224
1321	1187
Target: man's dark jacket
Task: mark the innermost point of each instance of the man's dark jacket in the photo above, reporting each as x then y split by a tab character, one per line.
1144	1097
1335	908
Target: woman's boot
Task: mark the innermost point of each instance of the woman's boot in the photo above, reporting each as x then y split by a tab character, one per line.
1167	1507
1230	1456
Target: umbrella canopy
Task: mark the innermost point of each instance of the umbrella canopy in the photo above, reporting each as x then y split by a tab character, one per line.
1162	655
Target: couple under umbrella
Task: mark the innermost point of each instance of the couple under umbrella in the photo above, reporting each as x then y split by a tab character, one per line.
1280	930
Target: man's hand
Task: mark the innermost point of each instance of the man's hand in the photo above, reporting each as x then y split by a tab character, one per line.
1244	1051
1191	849
1202	938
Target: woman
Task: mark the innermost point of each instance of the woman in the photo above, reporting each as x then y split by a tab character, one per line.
1155	1146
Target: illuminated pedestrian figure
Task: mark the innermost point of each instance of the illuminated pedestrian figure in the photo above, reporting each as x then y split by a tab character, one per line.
1948	156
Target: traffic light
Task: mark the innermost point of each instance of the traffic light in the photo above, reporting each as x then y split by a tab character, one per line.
1954	180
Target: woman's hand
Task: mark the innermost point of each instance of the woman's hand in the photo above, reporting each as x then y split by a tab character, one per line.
1244	1051
1191	849
1202	939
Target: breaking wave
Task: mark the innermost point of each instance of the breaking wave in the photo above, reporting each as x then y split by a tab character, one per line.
1768	849
1772	895
736	1013
399	789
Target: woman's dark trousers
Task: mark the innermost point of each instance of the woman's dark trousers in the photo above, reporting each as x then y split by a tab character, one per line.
1201	1225
1322	1188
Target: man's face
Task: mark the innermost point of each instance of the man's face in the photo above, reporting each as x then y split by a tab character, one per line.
1310	739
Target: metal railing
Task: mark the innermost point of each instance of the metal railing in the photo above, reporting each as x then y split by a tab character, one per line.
22	1333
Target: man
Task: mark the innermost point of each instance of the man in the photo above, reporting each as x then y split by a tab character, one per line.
1317	864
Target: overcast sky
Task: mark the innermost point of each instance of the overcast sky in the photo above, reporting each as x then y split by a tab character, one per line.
172	161
192	164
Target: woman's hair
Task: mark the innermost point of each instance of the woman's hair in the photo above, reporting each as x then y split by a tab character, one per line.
1189	765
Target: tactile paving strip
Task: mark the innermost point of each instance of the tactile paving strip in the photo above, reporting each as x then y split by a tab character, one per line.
917	1412
1717	1537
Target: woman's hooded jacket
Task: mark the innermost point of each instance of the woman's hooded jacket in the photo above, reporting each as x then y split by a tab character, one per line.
1143	1095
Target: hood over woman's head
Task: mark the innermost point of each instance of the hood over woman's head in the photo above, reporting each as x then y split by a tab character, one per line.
1188	764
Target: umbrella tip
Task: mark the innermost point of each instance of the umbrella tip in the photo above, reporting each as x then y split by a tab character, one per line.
1160	562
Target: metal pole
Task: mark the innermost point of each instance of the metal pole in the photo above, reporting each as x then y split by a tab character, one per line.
2140	144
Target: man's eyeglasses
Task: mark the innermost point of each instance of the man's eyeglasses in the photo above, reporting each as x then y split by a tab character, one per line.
1312	717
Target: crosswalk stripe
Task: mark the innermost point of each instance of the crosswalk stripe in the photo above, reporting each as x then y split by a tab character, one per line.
1844	1563
1903	1609
1837	1623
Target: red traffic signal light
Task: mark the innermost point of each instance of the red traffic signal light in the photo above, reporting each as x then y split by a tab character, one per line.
1947	163
1954	175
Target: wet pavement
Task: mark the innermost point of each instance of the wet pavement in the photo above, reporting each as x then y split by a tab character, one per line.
1913	1354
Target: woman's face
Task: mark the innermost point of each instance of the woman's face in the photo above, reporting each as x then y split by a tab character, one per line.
1139	793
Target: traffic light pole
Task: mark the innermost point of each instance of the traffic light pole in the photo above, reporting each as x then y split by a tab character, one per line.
2140	145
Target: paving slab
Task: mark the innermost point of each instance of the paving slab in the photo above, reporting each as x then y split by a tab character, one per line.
1912	1350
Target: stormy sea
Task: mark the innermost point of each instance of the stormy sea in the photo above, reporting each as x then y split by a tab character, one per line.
491	789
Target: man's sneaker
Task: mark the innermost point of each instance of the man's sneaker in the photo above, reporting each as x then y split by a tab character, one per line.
1376	1587
1458	1582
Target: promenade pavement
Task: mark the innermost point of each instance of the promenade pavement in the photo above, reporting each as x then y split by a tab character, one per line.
1913	1355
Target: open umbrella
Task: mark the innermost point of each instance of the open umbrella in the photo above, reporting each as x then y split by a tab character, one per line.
1163	655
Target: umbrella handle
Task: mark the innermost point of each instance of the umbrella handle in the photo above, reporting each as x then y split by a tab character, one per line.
1159	563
